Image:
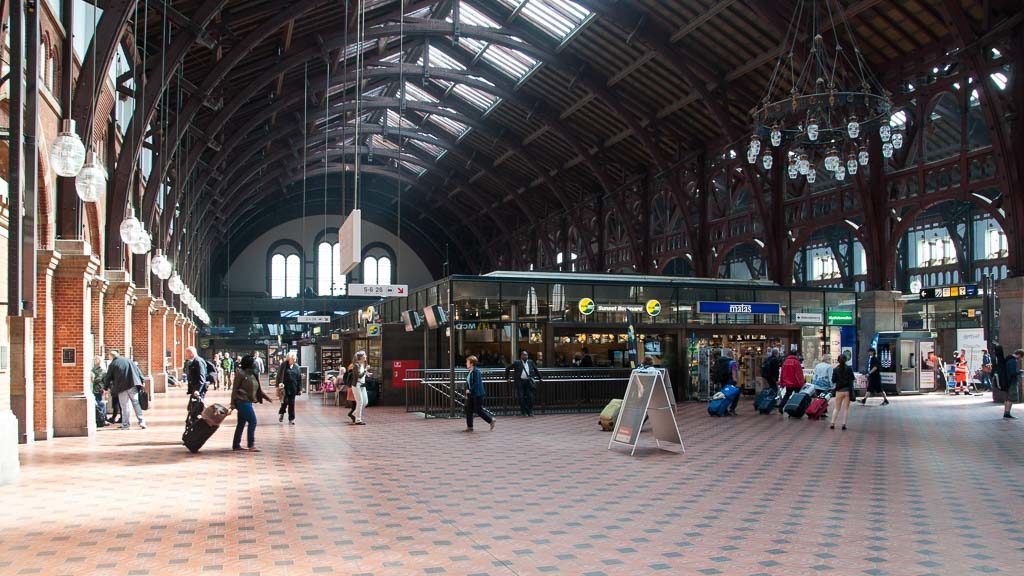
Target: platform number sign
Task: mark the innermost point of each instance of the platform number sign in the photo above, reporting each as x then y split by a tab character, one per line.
586	306
653	308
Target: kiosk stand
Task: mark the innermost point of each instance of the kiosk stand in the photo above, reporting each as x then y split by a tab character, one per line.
646	395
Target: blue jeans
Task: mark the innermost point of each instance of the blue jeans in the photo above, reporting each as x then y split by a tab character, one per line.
245	415
101	405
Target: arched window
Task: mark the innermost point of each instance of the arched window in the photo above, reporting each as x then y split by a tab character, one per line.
378	265
329	279
377	270
285	270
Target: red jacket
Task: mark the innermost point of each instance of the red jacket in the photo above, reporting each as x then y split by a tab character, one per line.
792	375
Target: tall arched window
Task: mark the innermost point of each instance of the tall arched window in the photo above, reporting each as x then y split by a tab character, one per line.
329	279
377	270
285	270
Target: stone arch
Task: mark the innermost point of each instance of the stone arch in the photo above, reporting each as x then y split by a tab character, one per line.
737	249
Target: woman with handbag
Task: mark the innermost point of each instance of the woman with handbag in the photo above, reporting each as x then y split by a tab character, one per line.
246	390
360	370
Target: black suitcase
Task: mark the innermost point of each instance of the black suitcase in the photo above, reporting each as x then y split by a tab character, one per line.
197	430
797	405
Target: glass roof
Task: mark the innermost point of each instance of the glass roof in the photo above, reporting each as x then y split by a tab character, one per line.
454	127
512	63
559	18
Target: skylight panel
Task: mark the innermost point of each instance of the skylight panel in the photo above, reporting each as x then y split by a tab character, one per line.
448	125
379	90
414	92
434	150
513	63
441	59
393	119
559	18
476	98
378	141
355	48
473	17
414	168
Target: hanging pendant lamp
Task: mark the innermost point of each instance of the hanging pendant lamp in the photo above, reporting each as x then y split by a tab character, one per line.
175	285
67	154
92	180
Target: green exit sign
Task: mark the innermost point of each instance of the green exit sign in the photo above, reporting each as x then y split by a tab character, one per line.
840	318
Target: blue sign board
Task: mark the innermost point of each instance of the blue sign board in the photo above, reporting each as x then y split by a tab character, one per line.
738	308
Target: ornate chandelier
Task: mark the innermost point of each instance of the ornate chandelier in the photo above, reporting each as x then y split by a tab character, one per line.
825	106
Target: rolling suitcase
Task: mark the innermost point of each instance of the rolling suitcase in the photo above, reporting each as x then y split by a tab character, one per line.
797	405
722	401
766	401
610	414
817	408
197	430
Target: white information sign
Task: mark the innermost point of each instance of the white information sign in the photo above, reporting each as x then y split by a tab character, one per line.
809	318
378	290
971	340
314	319
646	397
350	241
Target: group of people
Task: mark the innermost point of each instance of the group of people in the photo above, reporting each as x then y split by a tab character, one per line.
122	377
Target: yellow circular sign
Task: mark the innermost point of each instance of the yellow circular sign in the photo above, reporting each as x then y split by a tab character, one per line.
653	307
586	306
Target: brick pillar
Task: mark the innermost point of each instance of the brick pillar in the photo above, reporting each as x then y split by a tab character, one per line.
141	335
117	317
169	344
158	334
179	340
74	411
43	350
98	289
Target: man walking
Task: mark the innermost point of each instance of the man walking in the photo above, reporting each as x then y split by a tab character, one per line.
198	376
124	379
527	378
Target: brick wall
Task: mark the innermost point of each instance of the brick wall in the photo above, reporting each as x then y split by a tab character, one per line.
169	338
72	317
42	336
157	333
97	289
117	316
141	330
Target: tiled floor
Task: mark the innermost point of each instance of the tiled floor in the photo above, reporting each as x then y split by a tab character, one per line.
927	485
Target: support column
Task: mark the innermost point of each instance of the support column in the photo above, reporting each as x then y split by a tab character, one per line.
98	287
74	408
169	344
43	349
117	317
141	335
179	340
1011	313
158	333
879	311
15	424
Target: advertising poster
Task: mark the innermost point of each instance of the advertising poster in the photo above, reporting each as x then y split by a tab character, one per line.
971	340
634	409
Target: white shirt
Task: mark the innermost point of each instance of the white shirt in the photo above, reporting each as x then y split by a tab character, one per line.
526	371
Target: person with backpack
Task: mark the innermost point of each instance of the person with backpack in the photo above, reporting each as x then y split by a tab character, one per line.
197	373
359	371
227	365
842	382
723	373
1008	377
791	377
289	380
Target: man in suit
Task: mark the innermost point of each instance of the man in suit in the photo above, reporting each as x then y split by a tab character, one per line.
124	380
524	371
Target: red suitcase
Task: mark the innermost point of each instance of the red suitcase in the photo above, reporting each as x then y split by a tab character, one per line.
817	408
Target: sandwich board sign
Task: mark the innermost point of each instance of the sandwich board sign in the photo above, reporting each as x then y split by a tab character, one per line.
646	395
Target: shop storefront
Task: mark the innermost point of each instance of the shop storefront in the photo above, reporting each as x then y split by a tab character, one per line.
585	319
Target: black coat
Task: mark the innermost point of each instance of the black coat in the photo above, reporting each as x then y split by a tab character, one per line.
121	375
197	377
516	368
291	377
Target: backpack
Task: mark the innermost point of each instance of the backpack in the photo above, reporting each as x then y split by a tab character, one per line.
211	368
349	375
720	373
768	367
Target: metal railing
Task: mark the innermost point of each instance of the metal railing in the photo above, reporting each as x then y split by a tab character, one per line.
560	390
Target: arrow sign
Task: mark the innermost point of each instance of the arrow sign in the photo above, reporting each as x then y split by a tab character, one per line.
378	290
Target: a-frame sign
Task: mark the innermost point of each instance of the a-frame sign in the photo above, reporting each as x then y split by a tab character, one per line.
646	395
